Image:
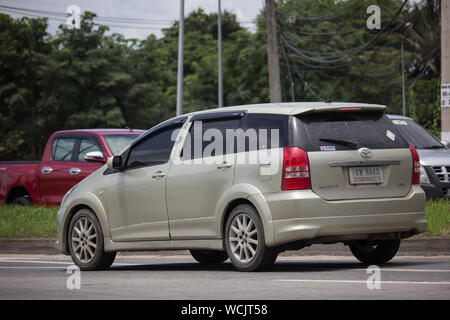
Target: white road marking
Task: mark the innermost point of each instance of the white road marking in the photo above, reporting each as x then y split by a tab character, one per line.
411	270
24	261
59	261
364	281
15	260
33	267
34	261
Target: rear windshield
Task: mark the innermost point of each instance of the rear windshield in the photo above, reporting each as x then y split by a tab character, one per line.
346	131
415	134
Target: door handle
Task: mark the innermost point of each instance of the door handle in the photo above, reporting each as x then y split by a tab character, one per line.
158	175
224	165
46	170
75	171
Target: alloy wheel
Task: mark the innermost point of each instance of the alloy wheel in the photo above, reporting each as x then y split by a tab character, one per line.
243	238
84	240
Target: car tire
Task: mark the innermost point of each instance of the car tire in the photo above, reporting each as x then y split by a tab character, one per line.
244	240
22	201
375	251
209	256
86	244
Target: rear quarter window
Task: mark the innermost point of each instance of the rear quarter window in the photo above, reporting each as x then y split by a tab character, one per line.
346	131
268	129
62	149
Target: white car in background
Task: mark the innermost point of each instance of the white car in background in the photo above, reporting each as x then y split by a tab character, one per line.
434	157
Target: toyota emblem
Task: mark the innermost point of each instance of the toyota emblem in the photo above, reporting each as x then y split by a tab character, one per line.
366	153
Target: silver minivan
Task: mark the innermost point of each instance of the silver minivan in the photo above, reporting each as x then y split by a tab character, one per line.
434	157
248	182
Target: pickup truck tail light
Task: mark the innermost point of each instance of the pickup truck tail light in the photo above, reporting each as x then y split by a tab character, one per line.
416	165
296	174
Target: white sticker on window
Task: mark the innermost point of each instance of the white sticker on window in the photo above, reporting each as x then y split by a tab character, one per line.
390	135
400	122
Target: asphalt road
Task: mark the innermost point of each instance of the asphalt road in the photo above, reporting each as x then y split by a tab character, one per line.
180	277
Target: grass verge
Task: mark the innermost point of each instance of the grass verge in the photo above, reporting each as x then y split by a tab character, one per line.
40	222
28	222
438	217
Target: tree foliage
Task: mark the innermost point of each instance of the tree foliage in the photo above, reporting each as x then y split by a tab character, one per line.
89	78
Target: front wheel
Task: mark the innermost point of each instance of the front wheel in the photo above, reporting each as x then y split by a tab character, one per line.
244	240
380	251
86	244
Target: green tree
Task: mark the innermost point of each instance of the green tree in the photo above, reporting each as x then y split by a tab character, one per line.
24	51
84	80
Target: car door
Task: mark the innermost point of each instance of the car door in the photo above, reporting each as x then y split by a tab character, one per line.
136	196
200	177
83	168
54	177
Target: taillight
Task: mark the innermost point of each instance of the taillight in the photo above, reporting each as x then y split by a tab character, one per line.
295	170
416	165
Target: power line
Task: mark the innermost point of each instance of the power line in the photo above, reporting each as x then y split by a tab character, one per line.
131	22
7	11
347	53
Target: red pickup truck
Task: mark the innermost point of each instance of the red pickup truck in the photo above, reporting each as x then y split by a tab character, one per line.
68	158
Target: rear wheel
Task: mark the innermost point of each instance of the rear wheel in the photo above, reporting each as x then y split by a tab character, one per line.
22	201
380	251
244	240
209	256
86	242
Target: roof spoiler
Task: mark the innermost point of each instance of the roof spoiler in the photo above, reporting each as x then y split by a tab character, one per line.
338	108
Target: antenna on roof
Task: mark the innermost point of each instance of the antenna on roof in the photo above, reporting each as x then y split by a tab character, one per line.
129	129
328	101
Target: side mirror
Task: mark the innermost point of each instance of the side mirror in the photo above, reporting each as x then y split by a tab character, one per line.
95	156
445	143
115	163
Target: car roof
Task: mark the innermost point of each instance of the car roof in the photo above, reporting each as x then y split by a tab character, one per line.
288	107
104	131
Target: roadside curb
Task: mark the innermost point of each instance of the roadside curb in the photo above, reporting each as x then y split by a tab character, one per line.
420	246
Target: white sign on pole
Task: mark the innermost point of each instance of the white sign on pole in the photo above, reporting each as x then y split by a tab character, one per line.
445	95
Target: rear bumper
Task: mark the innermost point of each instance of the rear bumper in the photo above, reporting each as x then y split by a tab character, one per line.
302	215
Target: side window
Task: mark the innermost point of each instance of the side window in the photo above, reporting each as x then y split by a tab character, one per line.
87	145
62	149
209	138
263	130
155	149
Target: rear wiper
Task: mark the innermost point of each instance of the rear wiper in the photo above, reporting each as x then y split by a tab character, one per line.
347	143
433	147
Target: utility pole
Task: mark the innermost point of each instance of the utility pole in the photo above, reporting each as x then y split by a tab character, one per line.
445	70
219	36
180	60
272	52
403	82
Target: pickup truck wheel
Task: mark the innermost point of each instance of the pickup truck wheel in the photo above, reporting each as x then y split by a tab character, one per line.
375	251
22	201
209	256
86	244
244	240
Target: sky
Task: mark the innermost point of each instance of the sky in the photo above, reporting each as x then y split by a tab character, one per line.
157	13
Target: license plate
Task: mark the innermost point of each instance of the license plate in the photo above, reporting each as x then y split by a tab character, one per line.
360	175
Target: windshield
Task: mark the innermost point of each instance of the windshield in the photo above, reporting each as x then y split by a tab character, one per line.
118	142
415	134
